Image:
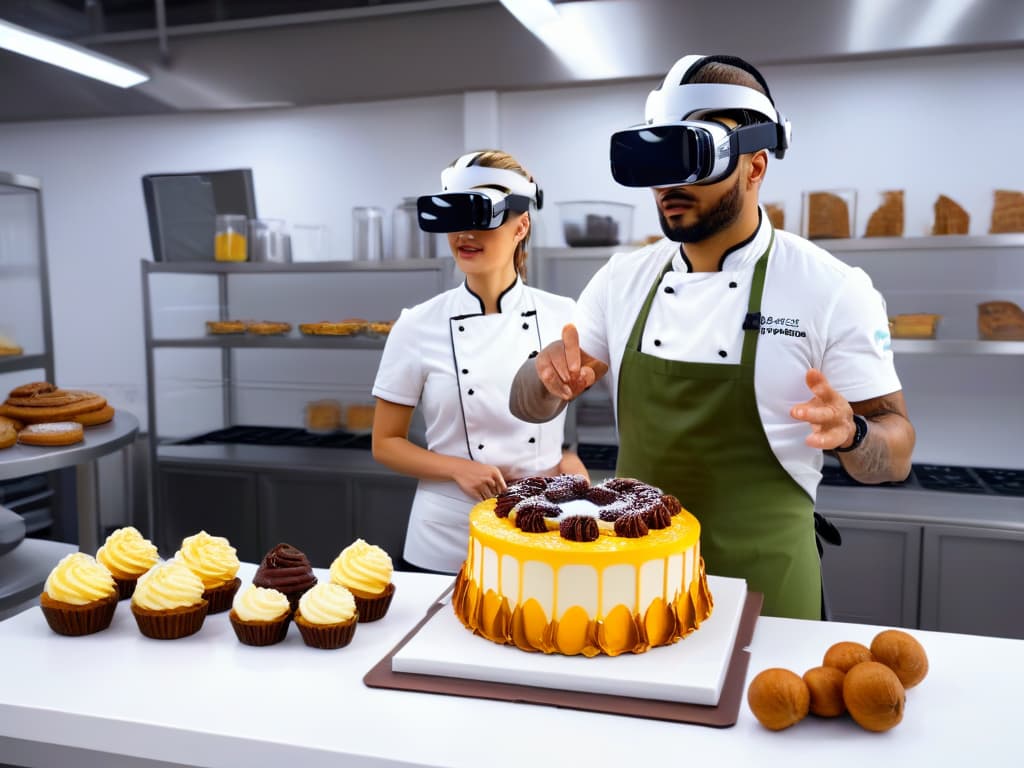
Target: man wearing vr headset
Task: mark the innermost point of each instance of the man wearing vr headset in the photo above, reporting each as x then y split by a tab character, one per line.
727	340
456	354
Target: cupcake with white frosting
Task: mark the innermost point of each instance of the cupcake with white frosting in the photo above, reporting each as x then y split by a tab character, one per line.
214	560
168	602
365	570
260	616
327	616
127	555
79	596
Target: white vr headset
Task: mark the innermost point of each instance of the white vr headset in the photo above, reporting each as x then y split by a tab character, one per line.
675	146
476	197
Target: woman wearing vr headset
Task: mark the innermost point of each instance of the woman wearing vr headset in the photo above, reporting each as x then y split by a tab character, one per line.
455	356
738	353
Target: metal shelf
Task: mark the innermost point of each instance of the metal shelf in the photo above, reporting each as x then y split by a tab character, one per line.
241	341
23	362
927	243
262	268
957	347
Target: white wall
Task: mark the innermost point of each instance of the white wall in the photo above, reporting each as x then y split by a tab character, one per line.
928	125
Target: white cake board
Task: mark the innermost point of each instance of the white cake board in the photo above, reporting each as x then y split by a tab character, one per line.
691	671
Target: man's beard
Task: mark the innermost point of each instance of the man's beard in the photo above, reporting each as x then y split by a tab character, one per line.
725	212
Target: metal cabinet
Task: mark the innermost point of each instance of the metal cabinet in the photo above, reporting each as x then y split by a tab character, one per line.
972	580
873	578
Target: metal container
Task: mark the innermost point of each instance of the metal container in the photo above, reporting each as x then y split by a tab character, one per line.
408	241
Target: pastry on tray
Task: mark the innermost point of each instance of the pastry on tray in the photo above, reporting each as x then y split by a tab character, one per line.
79	597
345	327
268	328
1001	321
919	325
220	327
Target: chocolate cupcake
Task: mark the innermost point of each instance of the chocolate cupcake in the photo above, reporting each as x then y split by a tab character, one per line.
287	570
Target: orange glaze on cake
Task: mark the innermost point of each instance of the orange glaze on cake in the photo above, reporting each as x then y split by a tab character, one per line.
542	592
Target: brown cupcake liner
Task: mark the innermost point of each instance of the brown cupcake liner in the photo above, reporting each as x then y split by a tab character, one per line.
326	636
170	624
125	587
374	608
75	620
220	598
259	632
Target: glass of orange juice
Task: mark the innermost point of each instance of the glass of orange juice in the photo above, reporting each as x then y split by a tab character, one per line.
230	240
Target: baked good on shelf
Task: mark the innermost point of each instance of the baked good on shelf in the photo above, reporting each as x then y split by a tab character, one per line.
79	596
8	432
1007	212
287	570
776	215
611	568
52	434
268	328
168	602
950	218
213	560
345	327
380	327
914	325
828	216
219	327
8	348
260	616
365	570
359	417
327	616
1001	321
127	554
95	418
887	219
323	416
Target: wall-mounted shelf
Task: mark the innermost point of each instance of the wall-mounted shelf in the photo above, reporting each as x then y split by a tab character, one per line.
924	243
240	341
957	347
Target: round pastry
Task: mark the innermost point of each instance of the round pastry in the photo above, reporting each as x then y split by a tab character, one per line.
287	570
214	561
42	411
127	555
52	433
218	327
79	596
327	616
93	418
260	616
32	388
8	432
168	602
365	570
268	328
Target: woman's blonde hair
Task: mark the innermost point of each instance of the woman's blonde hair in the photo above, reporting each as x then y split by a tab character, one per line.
495	158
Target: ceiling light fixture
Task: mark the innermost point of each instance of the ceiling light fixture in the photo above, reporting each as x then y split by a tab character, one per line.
569	40
69	56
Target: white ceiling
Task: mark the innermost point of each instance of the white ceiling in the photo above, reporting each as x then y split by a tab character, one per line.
237	54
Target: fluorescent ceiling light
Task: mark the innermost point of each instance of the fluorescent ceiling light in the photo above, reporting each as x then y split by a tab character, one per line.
69	56
570	40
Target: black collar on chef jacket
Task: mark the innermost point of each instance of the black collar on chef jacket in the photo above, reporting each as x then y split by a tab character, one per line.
738	250
510	297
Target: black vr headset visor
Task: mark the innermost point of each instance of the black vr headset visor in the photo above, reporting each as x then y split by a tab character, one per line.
687	152
463	211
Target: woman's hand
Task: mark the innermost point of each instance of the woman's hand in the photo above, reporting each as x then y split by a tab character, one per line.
477	480
572	465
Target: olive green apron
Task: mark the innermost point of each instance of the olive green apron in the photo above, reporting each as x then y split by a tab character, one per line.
693	430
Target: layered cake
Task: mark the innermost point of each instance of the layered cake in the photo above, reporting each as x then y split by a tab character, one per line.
559	566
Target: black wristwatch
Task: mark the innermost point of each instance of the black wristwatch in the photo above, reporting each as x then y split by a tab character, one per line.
860	432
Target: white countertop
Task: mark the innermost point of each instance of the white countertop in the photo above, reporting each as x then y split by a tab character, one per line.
117	698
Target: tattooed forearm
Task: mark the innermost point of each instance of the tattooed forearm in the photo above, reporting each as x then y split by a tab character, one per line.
885	454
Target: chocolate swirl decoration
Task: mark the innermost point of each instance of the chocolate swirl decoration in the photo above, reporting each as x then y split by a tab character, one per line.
579	528
505	501
530	519
601	495
285	569
566	488
657	516
621	484
631	526
671	503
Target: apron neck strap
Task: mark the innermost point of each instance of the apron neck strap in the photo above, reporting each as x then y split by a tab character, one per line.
752	322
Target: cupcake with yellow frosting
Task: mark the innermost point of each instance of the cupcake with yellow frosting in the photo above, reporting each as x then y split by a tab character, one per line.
260	616
127	555
327	616
79	596
213	560
168	602
365	570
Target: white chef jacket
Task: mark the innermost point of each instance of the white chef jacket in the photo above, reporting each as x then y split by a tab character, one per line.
457	364
816	312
